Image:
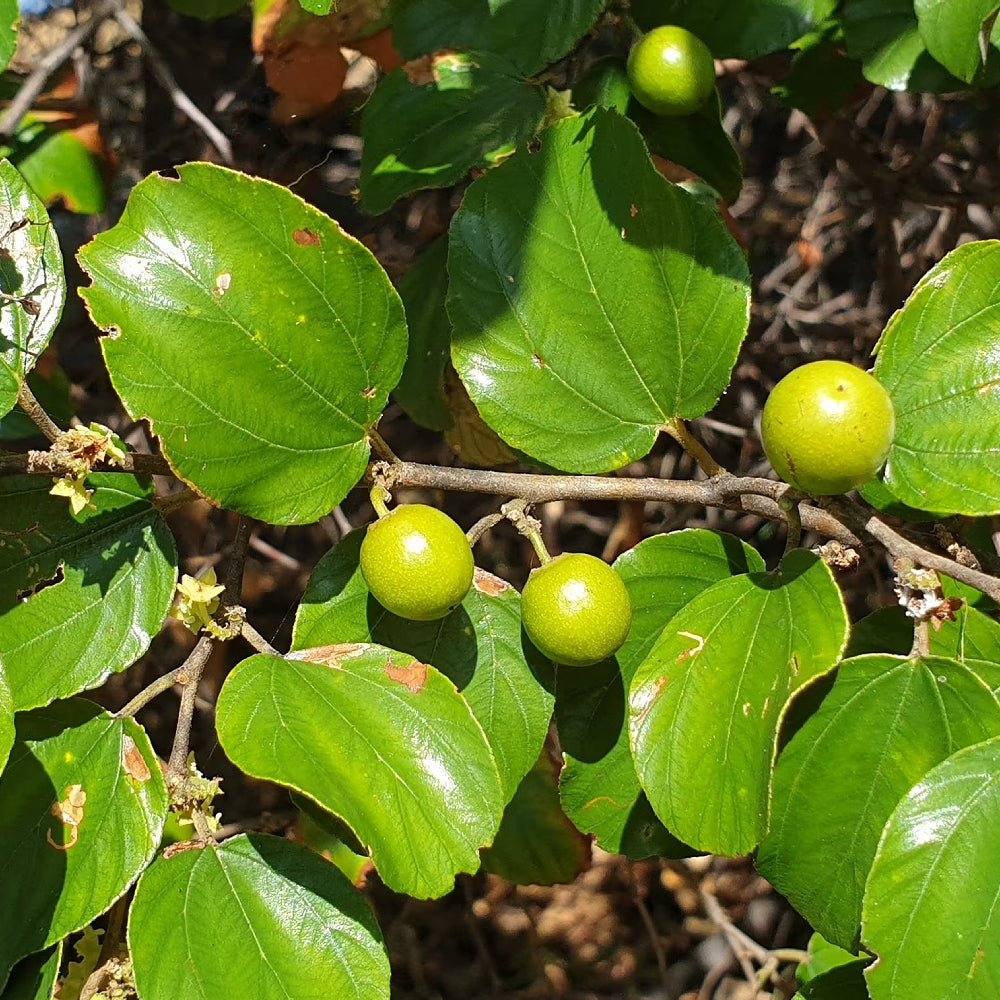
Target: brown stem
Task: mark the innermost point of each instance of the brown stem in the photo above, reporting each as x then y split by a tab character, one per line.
257	640
148	693
44	463
26	400
195	666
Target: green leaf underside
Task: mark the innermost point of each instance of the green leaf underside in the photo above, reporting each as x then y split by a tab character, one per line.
31	266
885	723
599	787
705	705
258	338
34	977
429	125
45	892
577	344
931	901
528	34
536	843
742	30
380	740
952	32
478	647
845	982
80	596
255	917
885	36
938	360
823	957
421	387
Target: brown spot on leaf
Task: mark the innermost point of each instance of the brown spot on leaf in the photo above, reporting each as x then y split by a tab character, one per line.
331	655
306	238
534	145
699	645
420	71
412	675
538	361
369	392
69	812
633	210
133	762
487	583
602	798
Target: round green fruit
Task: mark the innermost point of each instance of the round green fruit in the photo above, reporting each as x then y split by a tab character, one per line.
827	427
576	610
671	71
417	562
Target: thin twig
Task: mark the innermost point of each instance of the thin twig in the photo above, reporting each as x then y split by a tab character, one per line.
34	84
168	82
26	400
195	664
44	463
257	640
163	683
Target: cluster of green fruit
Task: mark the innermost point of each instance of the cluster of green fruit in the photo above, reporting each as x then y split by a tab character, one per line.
417	563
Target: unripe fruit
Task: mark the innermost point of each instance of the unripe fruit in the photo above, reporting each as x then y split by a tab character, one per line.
417	562
827	427
576	610
671	71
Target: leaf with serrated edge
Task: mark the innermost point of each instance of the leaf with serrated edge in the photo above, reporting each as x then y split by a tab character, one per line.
705	705
884	724
76	826
588	314
379	739
599	788
258	338
262	918
939	362
930	910
31	268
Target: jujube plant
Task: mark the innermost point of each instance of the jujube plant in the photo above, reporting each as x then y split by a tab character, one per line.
671	71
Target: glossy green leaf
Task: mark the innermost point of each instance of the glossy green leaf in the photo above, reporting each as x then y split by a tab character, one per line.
930	911
742	30
845	982
885	36
331	837
421	387
529	35
429	123
605	84
599	787
887	630
478	646
255	917
31	269
823	957
588	313
954	32
57	165
6	718
537	844
884	724
379	739
10	21
257	337
56	876
938	360
698	142
34	977
81	596
706	703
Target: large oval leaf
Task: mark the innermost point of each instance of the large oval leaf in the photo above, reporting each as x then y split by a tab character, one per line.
31	276
478	646
705	705
589	313
430	122
956	32
382	741
938	359
81	596
34	977
258	338
930	910
82	805
255	917
599	787
885	723
530	35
